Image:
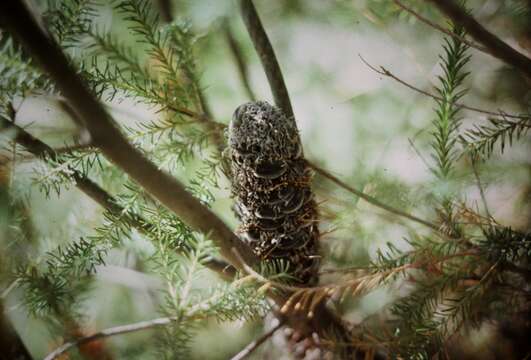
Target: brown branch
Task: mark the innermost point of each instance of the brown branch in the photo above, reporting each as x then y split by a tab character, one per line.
250	348
383	71
239	59
106	136
117	330
324	321
267	56
495	45
440	28
370	199
94	191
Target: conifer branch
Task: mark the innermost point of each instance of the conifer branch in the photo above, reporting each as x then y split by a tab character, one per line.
482	139
495	45
267	56
166	12
446	123
95	192
106	136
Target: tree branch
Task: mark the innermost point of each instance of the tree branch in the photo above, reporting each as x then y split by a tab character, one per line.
440	28
171	193
383	71
267	56
106	135
495	46
239	59
250	348
113	331
165	9
370	199
95	192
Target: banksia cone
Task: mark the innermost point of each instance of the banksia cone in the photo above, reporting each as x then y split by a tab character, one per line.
272	187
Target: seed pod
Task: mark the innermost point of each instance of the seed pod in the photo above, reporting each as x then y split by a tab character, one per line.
271	185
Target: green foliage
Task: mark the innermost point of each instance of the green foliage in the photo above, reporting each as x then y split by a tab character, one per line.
447	121
506	245
481	141
18	75
440	282
53	288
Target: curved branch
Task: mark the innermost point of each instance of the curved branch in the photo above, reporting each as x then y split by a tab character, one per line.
440	28
370	199
170	192
106	135
383	71
494	44
117	330
250	348
267	56
96	193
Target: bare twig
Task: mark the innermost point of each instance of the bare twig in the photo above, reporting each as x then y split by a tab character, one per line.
238	56
370	199
106	136
117	330
440	28
267	56
495	45
383	71
250	348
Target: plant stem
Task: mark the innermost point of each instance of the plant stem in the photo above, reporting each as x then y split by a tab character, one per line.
494	44
267	56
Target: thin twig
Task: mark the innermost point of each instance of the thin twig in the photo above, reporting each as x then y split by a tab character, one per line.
370	199
250	348
239	59
440	28
117	330
383	71
267	56
494	44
